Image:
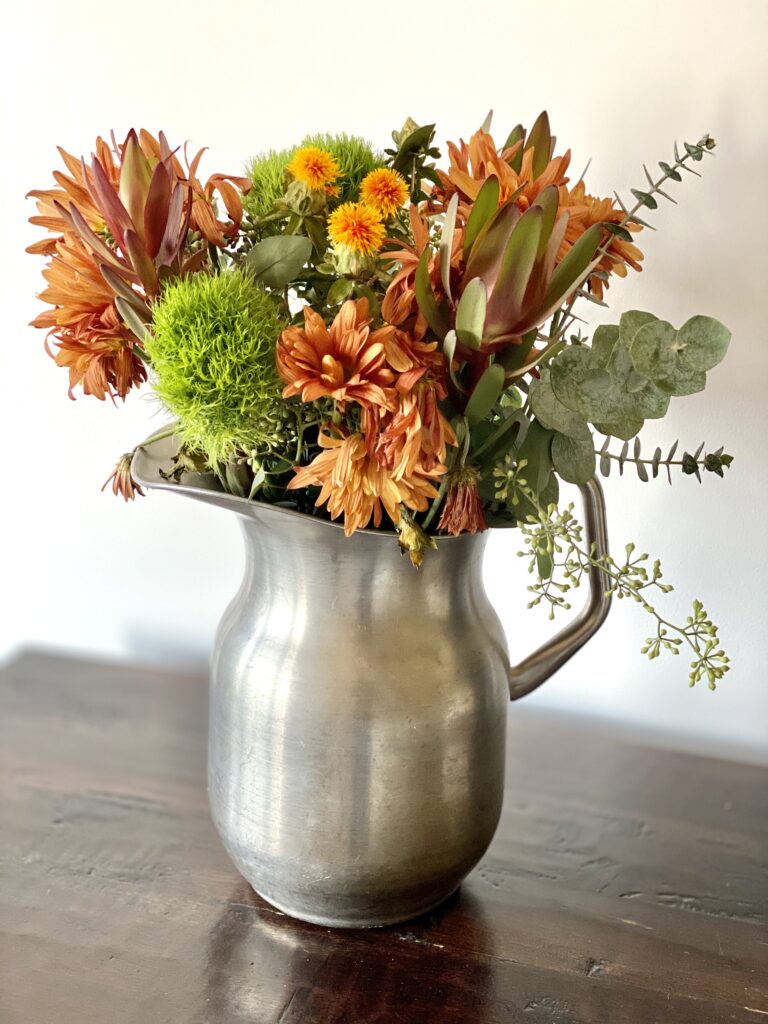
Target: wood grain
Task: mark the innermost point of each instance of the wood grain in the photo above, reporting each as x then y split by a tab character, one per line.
625	885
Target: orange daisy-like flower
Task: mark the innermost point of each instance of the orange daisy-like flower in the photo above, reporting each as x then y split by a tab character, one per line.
356	226
314	166
472	164
585	210
94	345
354	483
399	305
384	190
346	363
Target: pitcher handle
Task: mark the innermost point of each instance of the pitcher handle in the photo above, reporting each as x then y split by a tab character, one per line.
540	665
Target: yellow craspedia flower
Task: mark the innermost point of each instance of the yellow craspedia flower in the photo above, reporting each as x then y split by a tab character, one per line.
315	167
385	190
356	226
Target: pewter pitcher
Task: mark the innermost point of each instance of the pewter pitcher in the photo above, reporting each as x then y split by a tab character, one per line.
358	710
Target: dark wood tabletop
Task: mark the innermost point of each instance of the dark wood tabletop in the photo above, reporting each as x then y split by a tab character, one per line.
626	885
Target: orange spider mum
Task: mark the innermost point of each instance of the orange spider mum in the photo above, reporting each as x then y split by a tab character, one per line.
346	363
585	210
413	440
353	483
94	345
399	305
72	188
463	509
472	164
384	190
314	166
356	226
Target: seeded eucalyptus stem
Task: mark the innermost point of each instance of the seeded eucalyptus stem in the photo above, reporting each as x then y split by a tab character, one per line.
554	543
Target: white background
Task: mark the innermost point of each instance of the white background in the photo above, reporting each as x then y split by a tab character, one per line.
82	571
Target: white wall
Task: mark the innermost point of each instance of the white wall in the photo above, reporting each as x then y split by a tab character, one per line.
620	81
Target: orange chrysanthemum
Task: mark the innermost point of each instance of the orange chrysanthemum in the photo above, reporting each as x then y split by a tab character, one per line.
463	509
314	166
346	363
585	210
356	226
356	484
384	190
399	305
94	344
472	164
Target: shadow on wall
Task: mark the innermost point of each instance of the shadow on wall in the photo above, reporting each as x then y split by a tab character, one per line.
160	647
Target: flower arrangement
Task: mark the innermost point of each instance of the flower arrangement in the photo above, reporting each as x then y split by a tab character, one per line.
384	339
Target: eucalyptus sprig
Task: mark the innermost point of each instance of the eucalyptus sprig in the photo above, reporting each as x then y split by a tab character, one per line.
557	553
691	465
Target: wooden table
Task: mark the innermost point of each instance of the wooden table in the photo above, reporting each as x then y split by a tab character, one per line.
625	885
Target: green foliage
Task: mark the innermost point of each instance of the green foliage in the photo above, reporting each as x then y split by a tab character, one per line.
414	157
645	197
629	374
276	261
691	465
557	554
213	355
354	155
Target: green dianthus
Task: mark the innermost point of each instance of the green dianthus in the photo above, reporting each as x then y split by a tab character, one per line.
354	155
213	355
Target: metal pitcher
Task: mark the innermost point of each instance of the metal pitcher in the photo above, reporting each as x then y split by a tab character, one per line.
358	709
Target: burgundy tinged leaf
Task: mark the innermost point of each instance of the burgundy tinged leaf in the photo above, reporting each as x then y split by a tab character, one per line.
141	262
157	209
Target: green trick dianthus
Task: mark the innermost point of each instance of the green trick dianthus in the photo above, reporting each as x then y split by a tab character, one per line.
354	155
213	356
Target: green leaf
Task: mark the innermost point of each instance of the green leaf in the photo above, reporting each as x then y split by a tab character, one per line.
535	449
505	305
603	343
340	290
705	342
645	198
571	271
449	348
617	229
581	386
540	139
365	291
485	394
657	352
498	441
631	322
548	202
544	564
411	144
426	299
470	314
515	356
276	261
550	411
683	382
670	171
491	242
446	242
131	318
515	136
483	208
574	460
623	429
